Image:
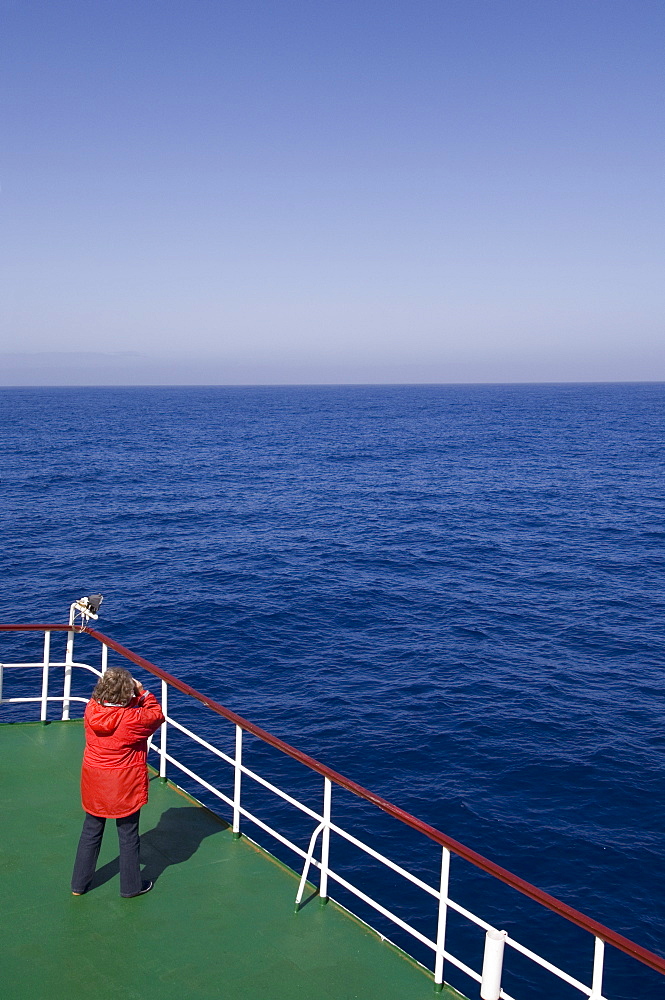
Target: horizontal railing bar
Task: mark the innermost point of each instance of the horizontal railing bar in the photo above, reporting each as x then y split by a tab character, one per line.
52	663
382	909
229	802
469	916
38	628
245	770
278	836
407	927
195	776
550	902
283	795
384	860
198	739
548	965
465	968
53	697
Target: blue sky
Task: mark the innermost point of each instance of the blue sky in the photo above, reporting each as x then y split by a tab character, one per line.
286	191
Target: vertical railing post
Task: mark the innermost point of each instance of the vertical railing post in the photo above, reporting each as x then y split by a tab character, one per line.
598	961
490	987
162	735
105	658
325	841
237	784
443	914
67	687
47	657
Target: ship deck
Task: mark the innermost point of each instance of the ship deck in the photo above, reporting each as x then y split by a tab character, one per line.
219	922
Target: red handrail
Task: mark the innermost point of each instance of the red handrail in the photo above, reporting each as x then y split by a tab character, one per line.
599	930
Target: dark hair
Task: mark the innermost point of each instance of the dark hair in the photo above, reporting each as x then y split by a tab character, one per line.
115	687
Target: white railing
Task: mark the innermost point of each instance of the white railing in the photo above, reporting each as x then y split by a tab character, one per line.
46	665
496	941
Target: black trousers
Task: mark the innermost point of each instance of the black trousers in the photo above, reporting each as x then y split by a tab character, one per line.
88	852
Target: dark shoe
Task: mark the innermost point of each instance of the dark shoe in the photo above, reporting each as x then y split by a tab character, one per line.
146	887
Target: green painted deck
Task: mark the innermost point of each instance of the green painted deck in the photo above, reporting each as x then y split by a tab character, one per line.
218	924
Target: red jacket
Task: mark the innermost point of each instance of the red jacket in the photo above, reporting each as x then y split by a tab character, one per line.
114	777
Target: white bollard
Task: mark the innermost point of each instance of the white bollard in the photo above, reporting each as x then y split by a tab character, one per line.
490	988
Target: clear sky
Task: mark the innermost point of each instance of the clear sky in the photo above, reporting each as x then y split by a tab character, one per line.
332	191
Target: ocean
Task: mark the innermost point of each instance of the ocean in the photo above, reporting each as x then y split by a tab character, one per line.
452	594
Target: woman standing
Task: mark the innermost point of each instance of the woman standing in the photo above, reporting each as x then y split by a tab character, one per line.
119	718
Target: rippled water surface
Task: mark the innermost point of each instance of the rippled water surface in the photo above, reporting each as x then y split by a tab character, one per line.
453	594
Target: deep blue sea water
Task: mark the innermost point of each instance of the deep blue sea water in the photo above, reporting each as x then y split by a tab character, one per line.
452	594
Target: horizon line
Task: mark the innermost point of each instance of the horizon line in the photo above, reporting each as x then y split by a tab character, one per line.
323	385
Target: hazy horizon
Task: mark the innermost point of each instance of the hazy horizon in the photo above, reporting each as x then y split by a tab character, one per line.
62	370
337	193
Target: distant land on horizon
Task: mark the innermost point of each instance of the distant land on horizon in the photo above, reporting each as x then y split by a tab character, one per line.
92	368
